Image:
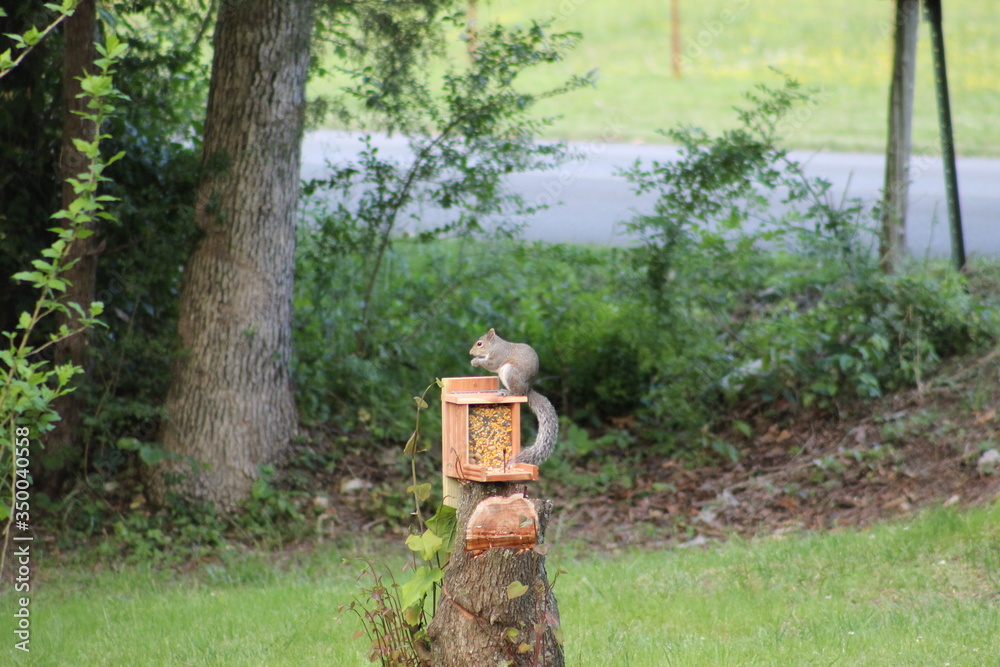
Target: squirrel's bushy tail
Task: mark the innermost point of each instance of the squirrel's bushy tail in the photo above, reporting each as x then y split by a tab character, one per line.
548	430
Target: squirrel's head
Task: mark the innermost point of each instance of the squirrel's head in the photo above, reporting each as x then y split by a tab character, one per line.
480	349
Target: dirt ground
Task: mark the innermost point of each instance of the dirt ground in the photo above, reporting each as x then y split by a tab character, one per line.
798	470
802	470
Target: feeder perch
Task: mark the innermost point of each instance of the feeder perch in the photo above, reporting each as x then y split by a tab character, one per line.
481	432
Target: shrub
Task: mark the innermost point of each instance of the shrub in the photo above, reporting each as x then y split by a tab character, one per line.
756	300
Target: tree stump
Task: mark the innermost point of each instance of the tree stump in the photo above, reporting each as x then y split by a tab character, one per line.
496	606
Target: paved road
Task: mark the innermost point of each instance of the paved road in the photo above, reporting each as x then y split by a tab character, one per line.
595	200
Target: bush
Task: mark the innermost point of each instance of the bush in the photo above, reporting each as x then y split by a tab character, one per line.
722	301
756	301
395	296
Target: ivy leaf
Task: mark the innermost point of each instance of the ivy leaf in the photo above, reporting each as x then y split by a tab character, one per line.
411	615
413	591
443	523
426	545
516	589
421	491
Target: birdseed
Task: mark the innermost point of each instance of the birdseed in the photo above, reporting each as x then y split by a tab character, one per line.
490	439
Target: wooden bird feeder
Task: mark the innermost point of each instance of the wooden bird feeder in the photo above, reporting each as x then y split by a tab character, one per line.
481	432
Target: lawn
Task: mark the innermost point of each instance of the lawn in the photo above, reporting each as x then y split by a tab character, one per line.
843	50
922	592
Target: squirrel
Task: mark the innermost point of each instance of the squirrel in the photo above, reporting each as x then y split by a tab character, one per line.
517	365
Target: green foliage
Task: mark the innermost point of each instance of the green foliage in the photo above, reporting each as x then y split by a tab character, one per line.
464	140
30	384
866	337
793	301
30	137
140	270
30	38
395	616
143	249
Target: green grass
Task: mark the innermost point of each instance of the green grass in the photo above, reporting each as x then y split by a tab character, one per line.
843	49
923	592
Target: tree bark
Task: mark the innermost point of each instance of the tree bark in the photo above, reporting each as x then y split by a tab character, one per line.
63	445
230	402
897	160
476	622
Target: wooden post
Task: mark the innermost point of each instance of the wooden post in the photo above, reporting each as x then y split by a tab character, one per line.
892	244
675	38
496	606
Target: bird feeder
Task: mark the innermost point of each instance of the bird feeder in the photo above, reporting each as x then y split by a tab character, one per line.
481	432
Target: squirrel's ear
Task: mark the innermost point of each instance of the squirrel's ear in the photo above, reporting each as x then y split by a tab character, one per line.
491	333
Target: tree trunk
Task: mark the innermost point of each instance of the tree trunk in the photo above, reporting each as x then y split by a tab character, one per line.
63	444
230	403
897	160
477	621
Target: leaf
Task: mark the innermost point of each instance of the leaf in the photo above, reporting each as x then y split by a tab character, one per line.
151	455
30	276
411	615
426	545
128	444
421	491
444	523
24	322
413	591
411	445
421	403
516	589
31	36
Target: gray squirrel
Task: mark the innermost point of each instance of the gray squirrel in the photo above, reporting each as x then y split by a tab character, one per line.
517	365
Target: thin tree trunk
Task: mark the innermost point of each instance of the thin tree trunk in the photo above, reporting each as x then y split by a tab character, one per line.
897	160
230	402
477	622
63	444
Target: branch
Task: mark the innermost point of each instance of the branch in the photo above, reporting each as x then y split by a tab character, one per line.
33	38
